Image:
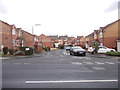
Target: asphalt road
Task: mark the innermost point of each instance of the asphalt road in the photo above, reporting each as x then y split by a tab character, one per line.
57	69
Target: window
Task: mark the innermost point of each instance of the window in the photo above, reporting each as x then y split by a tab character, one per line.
13	31
22	43
101	34
101	44
6	38
95	36
87	39
19	33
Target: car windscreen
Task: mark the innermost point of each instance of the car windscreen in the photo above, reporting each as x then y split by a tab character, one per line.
76	48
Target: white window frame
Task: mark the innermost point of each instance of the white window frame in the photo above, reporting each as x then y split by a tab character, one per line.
95	36
87	38
101	34
13	31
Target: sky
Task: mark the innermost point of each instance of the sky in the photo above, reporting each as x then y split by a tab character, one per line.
59	17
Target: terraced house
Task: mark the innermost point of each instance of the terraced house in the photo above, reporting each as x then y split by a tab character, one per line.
45	41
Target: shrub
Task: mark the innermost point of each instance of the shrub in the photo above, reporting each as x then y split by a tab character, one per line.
5	50
27	52
19	53
47	49
11	51
113	53
61	46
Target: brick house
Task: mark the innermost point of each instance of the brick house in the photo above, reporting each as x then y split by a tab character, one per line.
71	40
28	39
89	40
63	38
11	36
17	37
83	42
109	34
45	41
77	41
6	35
54	38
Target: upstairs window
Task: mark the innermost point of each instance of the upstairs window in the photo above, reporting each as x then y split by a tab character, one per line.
87	39
95	36
101	34
13	31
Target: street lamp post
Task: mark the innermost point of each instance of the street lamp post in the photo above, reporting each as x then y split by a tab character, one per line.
33	34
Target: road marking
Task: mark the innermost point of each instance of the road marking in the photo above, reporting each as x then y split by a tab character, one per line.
76	63
82	57
109	62
99	63
66	53
16	63
26	63
98	68
70	81
88	62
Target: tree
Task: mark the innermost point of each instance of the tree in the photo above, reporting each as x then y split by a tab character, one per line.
96	45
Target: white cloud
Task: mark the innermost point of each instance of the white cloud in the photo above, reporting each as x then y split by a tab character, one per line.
72	17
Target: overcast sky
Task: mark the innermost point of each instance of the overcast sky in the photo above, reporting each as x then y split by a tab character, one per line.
59	17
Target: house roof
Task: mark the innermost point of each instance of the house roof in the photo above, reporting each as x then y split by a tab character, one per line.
42	35
109	24
90	34
54	37
27	32
96	31
79	37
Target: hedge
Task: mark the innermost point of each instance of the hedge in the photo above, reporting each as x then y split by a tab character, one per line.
12	51
27	52
47	49
5	50
113	53
61	46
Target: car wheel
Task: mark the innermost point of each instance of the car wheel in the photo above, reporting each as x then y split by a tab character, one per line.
112	51
73	54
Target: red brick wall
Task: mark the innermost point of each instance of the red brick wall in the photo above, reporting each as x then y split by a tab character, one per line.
47	44
46	41
110	42
28	39
6	35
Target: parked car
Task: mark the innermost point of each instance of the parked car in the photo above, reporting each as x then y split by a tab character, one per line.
90	49
67	47
77	51
102	49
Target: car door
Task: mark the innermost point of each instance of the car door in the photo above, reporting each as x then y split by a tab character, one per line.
102	50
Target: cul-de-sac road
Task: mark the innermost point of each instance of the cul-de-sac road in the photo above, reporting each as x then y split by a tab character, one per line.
57	69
